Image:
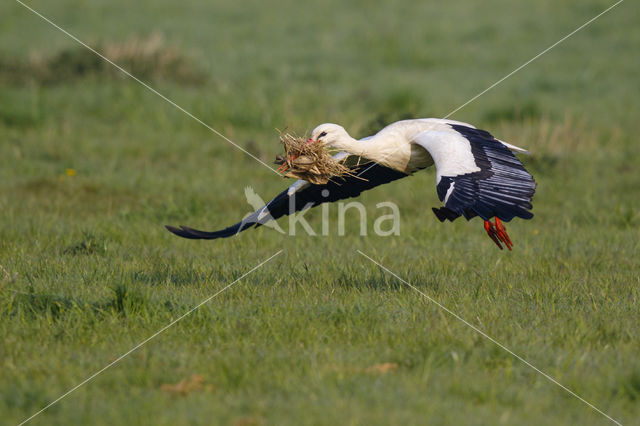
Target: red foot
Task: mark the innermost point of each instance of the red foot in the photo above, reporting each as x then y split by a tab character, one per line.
498	233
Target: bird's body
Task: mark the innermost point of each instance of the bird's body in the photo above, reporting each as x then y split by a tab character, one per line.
476	174
392	146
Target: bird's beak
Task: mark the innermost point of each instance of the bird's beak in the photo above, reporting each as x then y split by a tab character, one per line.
285	166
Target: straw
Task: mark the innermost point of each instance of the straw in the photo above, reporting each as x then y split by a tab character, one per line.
309	160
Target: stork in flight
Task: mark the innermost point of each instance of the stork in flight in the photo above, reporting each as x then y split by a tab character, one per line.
476	175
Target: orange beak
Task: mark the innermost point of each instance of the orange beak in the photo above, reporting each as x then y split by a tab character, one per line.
283	168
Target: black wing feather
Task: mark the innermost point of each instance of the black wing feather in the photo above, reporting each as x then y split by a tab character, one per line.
366	176
502	188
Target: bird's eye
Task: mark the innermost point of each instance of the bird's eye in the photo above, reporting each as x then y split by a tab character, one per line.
321	135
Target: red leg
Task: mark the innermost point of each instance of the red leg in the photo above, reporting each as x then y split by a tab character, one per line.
492	232
498	233
502	234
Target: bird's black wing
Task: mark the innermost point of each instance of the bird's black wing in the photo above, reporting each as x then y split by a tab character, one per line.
301	196
502	188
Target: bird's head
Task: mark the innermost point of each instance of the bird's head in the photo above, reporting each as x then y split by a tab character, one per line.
329	134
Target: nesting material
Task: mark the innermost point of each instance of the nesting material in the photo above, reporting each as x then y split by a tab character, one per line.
309	161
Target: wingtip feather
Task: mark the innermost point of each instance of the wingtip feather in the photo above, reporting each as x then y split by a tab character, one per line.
180	232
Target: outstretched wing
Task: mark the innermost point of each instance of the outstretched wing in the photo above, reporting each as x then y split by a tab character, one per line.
303	195
477	175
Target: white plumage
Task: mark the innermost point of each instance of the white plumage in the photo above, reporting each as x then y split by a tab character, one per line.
476	174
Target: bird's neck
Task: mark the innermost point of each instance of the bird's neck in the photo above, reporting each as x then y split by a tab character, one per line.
354	146
384	149
377	148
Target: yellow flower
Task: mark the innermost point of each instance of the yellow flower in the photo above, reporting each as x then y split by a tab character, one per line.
70	172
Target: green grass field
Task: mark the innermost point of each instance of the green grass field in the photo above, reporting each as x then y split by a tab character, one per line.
92	165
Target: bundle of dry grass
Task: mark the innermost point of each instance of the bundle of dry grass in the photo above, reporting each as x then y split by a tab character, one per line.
308	161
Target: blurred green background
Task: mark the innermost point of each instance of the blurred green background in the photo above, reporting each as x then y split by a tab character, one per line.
92	165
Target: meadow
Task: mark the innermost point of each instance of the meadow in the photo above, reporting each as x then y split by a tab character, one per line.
92	165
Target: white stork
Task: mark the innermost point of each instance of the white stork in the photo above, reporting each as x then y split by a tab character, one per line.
476	174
